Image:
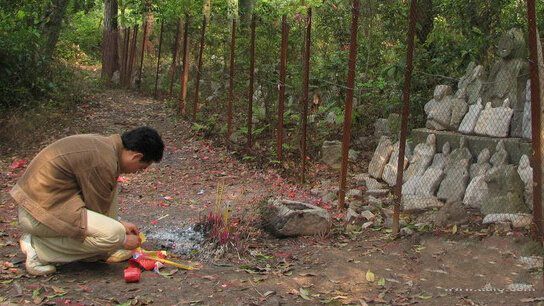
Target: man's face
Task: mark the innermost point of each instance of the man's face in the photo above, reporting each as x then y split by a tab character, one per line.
132	162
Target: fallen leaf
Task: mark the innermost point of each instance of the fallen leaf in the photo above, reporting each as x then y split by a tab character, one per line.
58	290
307	274
425	296
18	163
381	282
268	293
370	276
305	294
454	229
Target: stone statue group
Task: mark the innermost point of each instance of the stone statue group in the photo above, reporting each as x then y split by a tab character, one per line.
484	181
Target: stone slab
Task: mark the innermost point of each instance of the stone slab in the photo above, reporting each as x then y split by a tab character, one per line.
515	147
285	218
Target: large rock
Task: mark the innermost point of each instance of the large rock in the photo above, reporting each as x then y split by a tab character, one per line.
517	220
287	218
451	214
505	191
380	157
331	154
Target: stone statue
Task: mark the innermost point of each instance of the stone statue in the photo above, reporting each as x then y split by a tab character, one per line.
452	189
500	157
508	77
494	121
438	109
458	110
380	157
471	117
526	124
421	158
459	154
477	188
470	86
429	182
390	170
482	166
525	172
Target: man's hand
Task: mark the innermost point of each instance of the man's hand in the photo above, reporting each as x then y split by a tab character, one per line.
131	242
130	228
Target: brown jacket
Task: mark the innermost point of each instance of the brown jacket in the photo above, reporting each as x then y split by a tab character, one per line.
69	175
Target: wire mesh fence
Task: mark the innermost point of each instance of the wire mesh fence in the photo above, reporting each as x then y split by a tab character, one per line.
466	147
469	154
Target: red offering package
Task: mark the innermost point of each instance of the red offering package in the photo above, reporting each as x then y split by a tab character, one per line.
132	274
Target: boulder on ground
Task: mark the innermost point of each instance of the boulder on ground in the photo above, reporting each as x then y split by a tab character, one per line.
285	218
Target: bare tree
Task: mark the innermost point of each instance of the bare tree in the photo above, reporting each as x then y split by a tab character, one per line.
110	36
54	14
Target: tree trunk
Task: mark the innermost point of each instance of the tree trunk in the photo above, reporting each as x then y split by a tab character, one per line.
246	9
110	36
54	14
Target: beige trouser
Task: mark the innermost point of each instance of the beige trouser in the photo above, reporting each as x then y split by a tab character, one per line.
104	235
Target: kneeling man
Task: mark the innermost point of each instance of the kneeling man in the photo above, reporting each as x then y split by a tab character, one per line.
67	198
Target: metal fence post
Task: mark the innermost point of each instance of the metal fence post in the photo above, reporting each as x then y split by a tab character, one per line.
184	77
142	54
405	113
281	85
251	80
158	61
305	84
199	67
231	78
346	137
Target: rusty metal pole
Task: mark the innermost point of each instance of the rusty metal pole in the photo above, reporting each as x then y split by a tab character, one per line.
184	77
132	55
281	85
158	60
305	84
251	80
231	78
199	67
405	114
535	119
174	56
346	137
142	54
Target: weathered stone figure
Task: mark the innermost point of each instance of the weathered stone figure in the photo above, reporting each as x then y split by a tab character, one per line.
471	117
430	180
452	189
422	158
459	154
525	172
494	121
508	76
380	157
527	113
438	109
390	170
470	86
477	188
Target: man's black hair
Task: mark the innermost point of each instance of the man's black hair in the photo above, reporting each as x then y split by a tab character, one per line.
144	140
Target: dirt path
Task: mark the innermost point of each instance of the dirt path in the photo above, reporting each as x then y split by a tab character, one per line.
341	268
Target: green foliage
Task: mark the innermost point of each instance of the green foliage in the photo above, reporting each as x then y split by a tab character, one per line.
82	36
